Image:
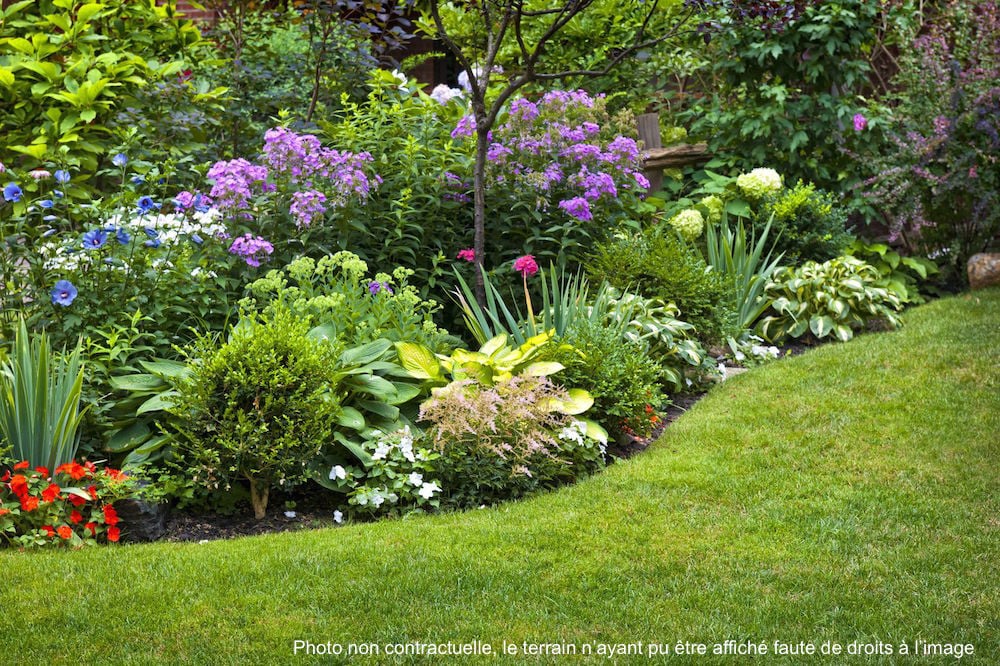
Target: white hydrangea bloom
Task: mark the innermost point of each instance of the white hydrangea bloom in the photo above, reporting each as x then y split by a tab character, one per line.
689	223
759	183
442	93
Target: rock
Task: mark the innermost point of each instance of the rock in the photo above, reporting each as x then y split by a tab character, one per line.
984	270
142	521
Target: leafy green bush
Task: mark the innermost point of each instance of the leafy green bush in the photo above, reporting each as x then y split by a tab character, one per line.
505	441
260	407
657	264
899	274
808	224
67	68
742	261
829	299
617	373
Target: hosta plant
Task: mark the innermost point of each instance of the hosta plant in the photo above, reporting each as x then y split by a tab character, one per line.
831	299
901	275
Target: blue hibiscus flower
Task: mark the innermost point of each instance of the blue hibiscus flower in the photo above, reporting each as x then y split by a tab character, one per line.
95	239
12	192
64	293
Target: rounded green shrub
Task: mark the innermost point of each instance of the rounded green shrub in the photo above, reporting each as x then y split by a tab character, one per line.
259	407
809	224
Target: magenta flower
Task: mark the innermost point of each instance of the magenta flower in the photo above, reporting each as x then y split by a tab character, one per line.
526	265
578	207
860	122
467	254
251	249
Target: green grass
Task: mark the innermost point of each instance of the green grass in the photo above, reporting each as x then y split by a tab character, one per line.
850	494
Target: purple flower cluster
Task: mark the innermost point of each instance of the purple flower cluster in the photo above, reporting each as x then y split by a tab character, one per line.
251	248
306	206
235	182
197	201
578	207
303	160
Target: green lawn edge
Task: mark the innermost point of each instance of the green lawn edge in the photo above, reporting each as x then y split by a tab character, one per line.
849	494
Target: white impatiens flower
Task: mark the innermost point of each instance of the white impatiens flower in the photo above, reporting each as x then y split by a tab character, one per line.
761	351
406	444
427	490
759	183
290	514
338	472
416	479
381	451
338	517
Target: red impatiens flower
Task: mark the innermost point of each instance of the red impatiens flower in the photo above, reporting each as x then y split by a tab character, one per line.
29	503
92	491
76	500
113	534
115	475
90	467
74	469
92	526
75	516
4	512
51	531
19	485
468	254
65	532
21	465
44	471
110	515
6	477
51	493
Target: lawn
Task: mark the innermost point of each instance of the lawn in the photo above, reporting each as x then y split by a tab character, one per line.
849	494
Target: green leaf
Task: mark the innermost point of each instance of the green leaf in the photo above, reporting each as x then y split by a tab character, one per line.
141	383
6	76
127	438
418	360
88	11
821	325
158	403
351	418
542	368
365	353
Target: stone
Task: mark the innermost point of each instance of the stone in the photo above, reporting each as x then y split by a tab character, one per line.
984	270
142	521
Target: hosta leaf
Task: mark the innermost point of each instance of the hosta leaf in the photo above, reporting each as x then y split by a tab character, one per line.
418	360
821	326
351	418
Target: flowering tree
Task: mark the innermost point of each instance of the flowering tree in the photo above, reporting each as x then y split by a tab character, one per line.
533	28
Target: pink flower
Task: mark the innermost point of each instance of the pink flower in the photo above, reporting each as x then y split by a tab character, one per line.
39	174
972	172
526	265
860	122
468	254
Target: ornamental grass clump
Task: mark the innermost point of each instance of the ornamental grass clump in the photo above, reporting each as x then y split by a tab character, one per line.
504	441
258	408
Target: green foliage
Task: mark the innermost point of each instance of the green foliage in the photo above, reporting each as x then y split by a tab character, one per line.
40	401
617	373
742	261
899	274
831	299
67	67
417	217
507	440
809	225
259	407
657	264
337	293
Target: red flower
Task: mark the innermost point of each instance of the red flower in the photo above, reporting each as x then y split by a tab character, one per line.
116	475
21	465
75	516
49	529
526	265
92	490
19	485
92	527
65	531
90	467
76	500
29	503
6	476
467	254
44	471
110	515
51	493
74	469
113	534
4	512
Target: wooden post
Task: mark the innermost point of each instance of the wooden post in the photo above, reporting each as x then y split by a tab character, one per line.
649	135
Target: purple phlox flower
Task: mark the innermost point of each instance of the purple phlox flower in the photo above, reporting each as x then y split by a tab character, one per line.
307	206
466	127
595	185
94	239
12	192
234	182
251	248
523	110
590	128
582	152
497	151
622	149
62	176
860	122
578	207
376	287
64	293
641	180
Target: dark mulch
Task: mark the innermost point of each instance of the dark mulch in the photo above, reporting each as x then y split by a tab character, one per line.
635	445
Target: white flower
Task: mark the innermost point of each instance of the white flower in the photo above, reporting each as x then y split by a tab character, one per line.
758	183
739	356
289	514
338	472
689	223
399	76
416	479
442	94
761	351
338	517
427	490
377	499
381	451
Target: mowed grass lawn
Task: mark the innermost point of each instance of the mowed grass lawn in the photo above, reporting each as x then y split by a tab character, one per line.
850	494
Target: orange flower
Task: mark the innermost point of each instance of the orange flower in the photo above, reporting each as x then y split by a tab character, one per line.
116	475
19	485
29	503
49	529
21	465
113	534
4	512
75	516
51	493
110	515
92	490
65	532
44	471
74	469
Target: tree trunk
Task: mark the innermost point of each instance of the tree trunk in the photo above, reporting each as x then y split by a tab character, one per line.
258	497
479	203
